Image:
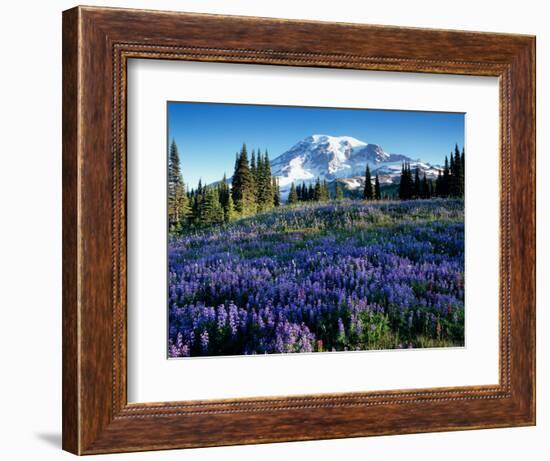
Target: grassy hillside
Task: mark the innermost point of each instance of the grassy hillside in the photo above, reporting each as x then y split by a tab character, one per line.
321	277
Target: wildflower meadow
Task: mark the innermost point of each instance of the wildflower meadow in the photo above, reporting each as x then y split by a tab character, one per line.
345	275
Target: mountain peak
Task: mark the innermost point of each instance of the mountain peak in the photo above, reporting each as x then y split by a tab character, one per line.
331	158
334	140
327	157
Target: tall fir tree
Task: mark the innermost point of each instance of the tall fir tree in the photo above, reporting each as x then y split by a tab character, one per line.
243	186
317	190
223	191
254	174
276	192
292	195
212	212
194	205
264	183
367	191
310	192
439	184
325	194
417	185
303	193
424	189
178	203
226	200
451	164
339	192
406	183
253	170
457	175
229	213
377	194
401	192
446	181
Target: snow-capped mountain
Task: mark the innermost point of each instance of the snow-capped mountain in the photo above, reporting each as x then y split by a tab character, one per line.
341	158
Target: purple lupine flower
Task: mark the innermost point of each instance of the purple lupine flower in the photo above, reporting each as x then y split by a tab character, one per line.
204	341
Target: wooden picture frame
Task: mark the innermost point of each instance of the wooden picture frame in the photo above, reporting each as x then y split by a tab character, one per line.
97	43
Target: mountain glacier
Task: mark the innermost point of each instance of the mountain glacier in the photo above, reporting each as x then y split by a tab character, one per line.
341	158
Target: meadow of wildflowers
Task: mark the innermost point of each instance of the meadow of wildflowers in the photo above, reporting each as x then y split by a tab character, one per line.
338	276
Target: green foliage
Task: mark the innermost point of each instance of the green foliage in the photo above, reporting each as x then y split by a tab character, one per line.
424	191
339	192
456	187
254	173
264	183
446	181
243	186
406	184
276	192
449	182
317	190
229	212
292	195
212	212
376	331
416	190
368	192
377	193
178	203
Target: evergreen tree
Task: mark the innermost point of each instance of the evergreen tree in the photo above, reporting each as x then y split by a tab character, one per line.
229	213
304	193
339	192
254	174
377	194
451	164
211	210
292	195
439	184
264	183
310	192
457	176
243	186
406	184
446	181
367	191
401	192
253	170
178	203
325	195
226	200
276	192
194	205
424	189
317	190
223	191
417	186
267	172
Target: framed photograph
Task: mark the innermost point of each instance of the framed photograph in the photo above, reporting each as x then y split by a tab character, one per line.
281	230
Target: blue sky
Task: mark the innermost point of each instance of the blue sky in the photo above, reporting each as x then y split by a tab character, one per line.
208	135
